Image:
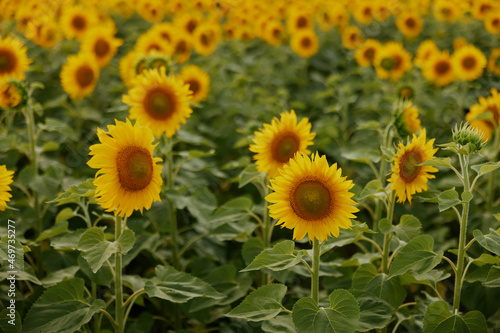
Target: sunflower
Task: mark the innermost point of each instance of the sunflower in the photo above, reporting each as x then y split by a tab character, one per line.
407	176
5	181
481	8
101	43
79	75
182	47
274	33
447	10
494	61
410	24
165	31
150	10
198	81
438	69
77	20
298	20
305	43
491	105
492	22
367	52
127	69
159	101
363	12
279	141
312	198
352	37
381	11
43	31
468	63
406	119
149	42
11	95
188	22
459	42
392	61
13	59
425	50
128	178
206	38
339	16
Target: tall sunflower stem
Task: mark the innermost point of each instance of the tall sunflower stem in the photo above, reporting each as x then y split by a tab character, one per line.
267	230
462	238
387	140
315	270
120	325
388	237
172	208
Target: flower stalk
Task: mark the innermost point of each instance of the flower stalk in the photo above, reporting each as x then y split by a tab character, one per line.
172	208
120	325
315	270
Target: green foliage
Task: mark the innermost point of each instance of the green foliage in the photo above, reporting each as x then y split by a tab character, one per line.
280	257
261	304
439	319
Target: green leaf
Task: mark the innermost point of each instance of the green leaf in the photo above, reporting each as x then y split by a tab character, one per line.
64	215
261	304
341	316
56	230
448	199
407	229
485	168
347	236
62	308
417	256
490	242
486	258
279	324
178	287
467	196
373	187
248	175
251	249
10	322
438	319
280	257
438	161
374	312
96	249
73	194
54	278
385	226
493	279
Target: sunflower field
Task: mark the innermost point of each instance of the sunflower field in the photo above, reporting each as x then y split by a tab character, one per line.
304	166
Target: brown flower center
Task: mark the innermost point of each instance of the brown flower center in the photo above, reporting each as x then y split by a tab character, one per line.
276	33
305	42
8	61
191	25
369	53
411	23
442	67
469	62
153	47
284	147
408	166
301	22
311	200
194	86
495	22
84	76
181	47
79	23
398	62
484	8
160	103
367	11
446	12
101	48
135	168
205	39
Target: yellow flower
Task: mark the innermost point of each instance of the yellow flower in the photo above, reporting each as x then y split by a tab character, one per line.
425	50
305	43
381	11
363	12
481	8
352	37
151	10
438	69
406	119
468	63
101	43
366	53
206	38
182	47
494	61
312	198
459	42
10	95
392	61
492	22
447	10
277	143
79	75
128	178
198	81
491	105
298	20
5	181
159	101
77	20
274	33
188	22
149	42
13	59
43	31
410	24
407	176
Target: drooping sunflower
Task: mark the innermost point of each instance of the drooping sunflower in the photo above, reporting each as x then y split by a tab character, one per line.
305	43
438	69
128	178
279	141
366	53
159	101
77	20
392	61
406	119
79	75
410	24
494	61
425	50
492	22
13	59
5	181
352	37
11	94
407	176
468	63
198	81
312	198
101	43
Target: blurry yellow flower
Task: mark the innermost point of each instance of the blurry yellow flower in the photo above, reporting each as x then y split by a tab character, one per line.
459	42
151	10
298	20
10	96
410	24
392	61
494	61
77	20
438	69
366	53
406	119
182	47
13	59
43	31
206	38
79	75
447	10
305	43
5	181
363	11
492	22
352	37
468	63
274	33
425	50
381	11
198	81
188	22
101	43
481	8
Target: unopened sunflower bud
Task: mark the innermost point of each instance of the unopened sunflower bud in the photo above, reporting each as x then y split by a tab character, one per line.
469	138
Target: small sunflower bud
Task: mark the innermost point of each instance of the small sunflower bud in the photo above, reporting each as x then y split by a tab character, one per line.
469	139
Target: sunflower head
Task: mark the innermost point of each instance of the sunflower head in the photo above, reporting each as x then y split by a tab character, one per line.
79	75
406	119
13	94
311	197
305	43
128	178
198	81
408	176
468	63
279	141
5	181
13	59
468	139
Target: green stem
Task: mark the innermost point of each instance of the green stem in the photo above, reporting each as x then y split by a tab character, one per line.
267	230
386	141
462	238
120	325
388	237
173	210
315	270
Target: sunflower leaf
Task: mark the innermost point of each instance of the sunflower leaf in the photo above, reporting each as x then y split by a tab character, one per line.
485	168
280	257
490	242
448	199
261	304
438	318
438	161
